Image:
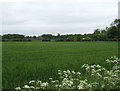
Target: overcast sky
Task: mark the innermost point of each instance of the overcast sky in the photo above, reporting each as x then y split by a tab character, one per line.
60	16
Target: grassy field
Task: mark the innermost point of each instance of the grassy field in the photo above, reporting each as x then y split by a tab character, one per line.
25	61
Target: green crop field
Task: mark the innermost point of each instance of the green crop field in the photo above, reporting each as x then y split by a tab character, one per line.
25	61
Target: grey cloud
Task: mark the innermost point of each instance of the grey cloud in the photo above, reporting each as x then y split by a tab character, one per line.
38	18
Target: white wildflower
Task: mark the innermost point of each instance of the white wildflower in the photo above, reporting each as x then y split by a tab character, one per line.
44	84
56	85
64	84
57	80
26	87
71	82
66	75
53	81
93	71
37	88
68	71
80	86
99	75
31	81
105	78
73	72
92	67
64	72
59	70
39	82
59	73
108	61
88	69
18	88
32	87
78	73
60	85
99	70
98	66
50	78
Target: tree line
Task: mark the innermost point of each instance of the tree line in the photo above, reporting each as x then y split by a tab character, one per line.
111	33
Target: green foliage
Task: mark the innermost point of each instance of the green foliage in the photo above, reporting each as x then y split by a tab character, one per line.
58	36
47	36
99	78
69	40
25	61
46	40
0	38
16	40
34	37
78	37
59	40
97	32
112	32
13	36
87	39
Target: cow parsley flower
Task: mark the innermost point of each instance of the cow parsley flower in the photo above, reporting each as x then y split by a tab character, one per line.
73	72
18	88
31	81
26	87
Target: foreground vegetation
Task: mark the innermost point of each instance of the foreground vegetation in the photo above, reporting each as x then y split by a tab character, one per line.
25	61
98	78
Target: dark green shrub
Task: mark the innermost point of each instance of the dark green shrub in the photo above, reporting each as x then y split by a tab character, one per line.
59	40
69	40
46	40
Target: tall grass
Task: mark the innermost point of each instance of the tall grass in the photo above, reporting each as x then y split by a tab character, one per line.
25	61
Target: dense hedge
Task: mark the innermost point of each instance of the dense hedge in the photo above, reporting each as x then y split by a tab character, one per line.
46	40
15	40
59	40
69	40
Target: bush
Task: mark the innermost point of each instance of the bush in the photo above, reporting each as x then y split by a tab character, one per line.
5	40
69	40
59	40
113	39
16	40
29	40
99	78
87	39
46	40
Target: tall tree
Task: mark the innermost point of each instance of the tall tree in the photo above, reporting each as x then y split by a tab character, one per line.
58	36
78	37
112	32
96	34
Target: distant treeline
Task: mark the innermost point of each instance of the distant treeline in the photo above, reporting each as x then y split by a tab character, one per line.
111	33
14	37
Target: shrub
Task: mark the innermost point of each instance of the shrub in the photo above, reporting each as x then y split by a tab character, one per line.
46	40
69	40
59	40
16	40
29	40
99	78
5	40
87	39
113	39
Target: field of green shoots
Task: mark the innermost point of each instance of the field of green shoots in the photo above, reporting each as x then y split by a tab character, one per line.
26	61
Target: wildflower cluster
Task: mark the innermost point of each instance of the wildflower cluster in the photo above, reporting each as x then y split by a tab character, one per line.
98	77
34	85
67	79
104	78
